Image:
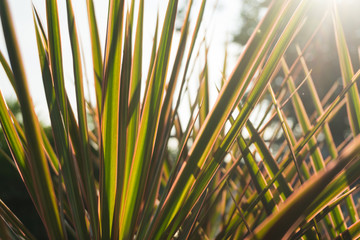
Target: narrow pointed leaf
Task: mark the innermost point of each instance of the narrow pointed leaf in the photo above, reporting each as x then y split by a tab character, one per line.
39	169
347	72
148	125
110	115
96	52
88	176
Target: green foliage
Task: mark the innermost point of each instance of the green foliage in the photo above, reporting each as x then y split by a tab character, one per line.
127	167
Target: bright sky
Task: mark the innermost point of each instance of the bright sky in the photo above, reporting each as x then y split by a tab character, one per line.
219	23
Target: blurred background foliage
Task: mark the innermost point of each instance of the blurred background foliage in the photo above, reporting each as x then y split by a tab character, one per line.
321	55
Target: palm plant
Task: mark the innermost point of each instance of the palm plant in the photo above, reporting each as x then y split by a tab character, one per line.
120	180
